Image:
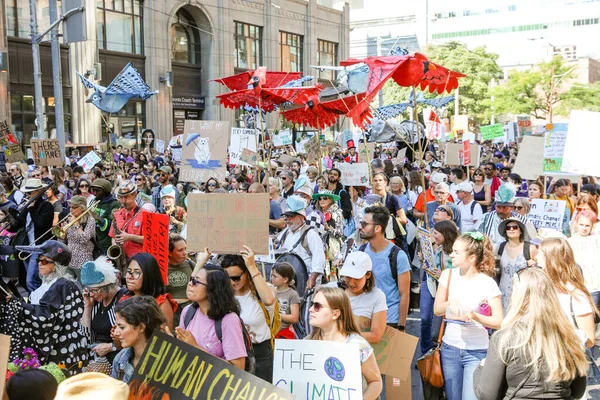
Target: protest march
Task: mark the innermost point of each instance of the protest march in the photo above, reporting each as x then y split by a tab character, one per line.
282	258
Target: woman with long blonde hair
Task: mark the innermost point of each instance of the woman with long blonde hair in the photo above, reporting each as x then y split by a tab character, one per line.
536	353
332	319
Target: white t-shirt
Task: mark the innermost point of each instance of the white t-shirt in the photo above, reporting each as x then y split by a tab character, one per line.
254	318
468	220
469	293
581	306
367	303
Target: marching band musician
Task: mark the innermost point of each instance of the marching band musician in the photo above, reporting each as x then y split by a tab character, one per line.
177	215
128	220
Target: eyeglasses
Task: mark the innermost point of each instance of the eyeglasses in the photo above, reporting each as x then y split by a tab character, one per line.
284	178
195	281
212	185
487	169
323	198
317	306
477	174
94	291
44	261
107	169
512	227
163	174
580	209
133	274
519	208
363	223
236	278
139	179
36	176
86	185
442	209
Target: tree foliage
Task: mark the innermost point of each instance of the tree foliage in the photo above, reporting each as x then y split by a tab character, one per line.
580	97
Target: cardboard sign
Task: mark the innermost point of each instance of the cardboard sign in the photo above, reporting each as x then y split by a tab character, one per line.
460	123
88	161
285	159
159	146
454	150
249	157
204	152
225	222
524	124
315	369
489	132
312	148
241	139
554	146
547	213
586	250
425	240
176	370
156	240
400	156
581	148
46	152
4	354
12	151
363	155
530	160
282	138
466	153
354	174
3	162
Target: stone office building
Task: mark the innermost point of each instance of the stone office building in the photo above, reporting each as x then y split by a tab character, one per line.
196	40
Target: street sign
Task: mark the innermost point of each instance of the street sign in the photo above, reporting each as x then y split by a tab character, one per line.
74	26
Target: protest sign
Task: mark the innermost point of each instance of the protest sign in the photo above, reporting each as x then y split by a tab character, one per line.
460	123
524	124
285	159
354	174
425	241
316	369
267	258
312	148
46	152
249	157
241	139
88	161
9	145
176	153
175	370
366	152
348	135
2	162
489	132
225	222
400	156
530	160
4	354
204	152
451	154
510	131
159	146
282	138
466	153
547	213
156	239
581	148
555	138
469	137
586	250
176	141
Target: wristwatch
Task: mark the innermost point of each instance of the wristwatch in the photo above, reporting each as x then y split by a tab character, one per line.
401	328
114	348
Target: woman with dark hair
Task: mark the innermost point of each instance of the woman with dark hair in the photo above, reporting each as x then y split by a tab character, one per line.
137	318
561	190
31	384
12	193
212	184
481	192
83	189
415	187
535	190
52	197
516	180
144	278
95	173
58	176
283	278
213	300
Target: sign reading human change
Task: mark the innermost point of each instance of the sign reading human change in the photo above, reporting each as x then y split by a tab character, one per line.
156	240
204	152
547	213
46	152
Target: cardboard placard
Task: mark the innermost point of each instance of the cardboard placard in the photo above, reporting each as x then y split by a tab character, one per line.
454	150
530	160
159	146
176	370
204	152
425	240
156	240
249	157
12	151
581	148
285	159
225	222
555	138
241	139
524	124
88	161
354	174
460	123
307	367
466	152
400	156
489	132
363	155
282	138
313	149
547	213
46	152
4	354
586	250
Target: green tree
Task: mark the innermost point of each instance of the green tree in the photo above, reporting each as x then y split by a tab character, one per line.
580	97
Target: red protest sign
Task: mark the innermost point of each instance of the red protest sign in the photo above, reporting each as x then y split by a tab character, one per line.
466	152
156	240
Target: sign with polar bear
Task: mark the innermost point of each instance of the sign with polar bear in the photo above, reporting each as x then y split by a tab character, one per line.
204	153
314	369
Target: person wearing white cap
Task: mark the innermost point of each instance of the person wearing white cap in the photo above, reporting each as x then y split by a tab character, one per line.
470	210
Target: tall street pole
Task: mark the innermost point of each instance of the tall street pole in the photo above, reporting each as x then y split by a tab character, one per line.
37	72
57	78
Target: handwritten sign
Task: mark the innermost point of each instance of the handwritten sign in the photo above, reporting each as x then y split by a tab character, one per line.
460	123
315	369
46	152
225	222
88	161
524	124
4	353
312	148
176	370
466	152
530	160
547	213
366	152
12	150
204	152
586	250
453	152
282	138
427	250
354	174
249	157
555	138
156	240
581	147
400	157
489	132
159	145
241	138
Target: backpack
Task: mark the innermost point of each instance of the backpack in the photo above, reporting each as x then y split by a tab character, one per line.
296	261
392	258
498	268
250	362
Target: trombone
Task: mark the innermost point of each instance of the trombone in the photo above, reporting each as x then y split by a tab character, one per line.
60	232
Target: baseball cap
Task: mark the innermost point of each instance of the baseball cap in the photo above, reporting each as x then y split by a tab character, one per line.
436	164
166	169
464	186
357	264
439	177
589	188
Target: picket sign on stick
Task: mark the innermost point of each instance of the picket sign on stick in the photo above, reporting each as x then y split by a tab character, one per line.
156	240
46	152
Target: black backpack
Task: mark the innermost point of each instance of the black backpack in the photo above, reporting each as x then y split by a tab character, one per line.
392	257
250	364
498	268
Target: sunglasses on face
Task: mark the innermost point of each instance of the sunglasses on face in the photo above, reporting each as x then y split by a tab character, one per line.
317	306
363	223
512	227
236	278
212	185
284	178
442	209
36	176
195	281
163	174
82	186
519	208
94	290
107	169
44	261
323	198
139	179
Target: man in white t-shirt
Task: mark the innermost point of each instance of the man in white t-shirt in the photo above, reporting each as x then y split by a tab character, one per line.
470	210
457	176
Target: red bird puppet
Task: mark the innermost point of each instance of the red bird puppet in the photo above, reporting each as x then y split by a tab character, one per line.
317	114
262	88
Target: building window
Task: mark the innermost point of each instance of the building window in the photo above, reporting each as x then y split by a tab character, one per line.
291	52
326	55
185	39
248	46
119	25
18	17
22	109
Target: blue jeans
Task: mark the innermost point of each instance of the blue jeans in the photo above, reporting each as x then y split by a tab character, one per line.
458	367
33	280
428	320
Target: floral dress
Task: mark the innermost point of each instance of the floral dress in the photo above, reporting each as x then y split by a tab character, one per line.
510	266
81	244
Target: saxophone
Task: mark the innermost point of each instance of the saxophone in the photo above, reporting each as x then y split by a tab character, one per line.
115	252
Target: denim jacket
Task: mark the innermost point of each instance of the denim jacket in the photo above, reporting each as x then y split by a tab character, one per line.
122	368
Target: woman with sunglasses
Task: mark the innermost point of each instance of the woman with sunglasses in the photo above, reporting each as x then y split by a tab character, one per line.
332	320
212	184
213	300
143	188
481	192
81	234
522	206
258	309
327	204
83	189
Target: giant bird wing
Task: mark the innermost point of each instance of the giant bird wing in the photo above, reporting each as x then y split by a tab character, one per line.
130	82
440	79
323	114
90	84
267	99
235	82
276	79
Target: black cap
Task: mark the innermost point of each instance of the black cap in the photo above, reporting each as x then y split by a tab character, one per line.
589	188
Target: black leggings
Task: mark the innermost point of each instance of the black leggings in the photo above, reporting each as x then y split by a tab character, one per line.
263	353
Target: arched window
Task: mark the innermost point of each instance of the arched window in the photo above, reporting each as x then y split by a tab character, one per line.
185	39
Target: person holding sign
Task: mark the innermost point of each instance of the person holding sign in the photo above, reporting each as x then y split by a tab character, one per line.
332	319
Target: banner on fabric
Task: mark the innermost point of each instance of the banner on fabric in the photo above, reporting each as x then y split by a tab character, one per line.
453	152
46	152
490	132
156	240
316	369
586	250
524	124
555	138
88	161
547	213
172	369
204	152
581	148
282	138
225	222
530	160
425	241
159	146
354	174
